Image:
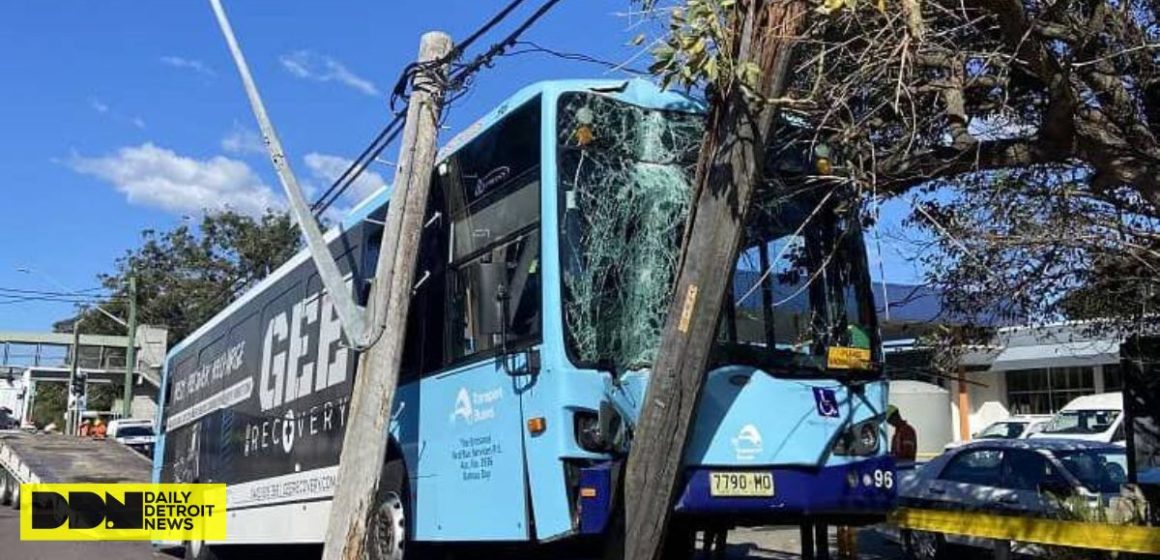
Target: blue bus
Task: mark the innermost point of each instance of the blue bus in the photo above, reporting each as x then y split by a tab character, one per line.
545	272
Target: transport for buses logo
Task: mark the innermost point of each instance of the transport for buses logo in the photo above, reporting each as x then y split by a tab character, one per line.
123	512
475	406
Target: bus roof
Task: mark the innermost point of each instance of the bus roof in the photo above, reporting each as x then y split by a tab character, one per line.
635	90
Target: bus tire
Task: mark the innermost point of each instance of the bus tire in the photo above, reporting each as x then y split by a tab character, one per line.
680	540
387	536
198	550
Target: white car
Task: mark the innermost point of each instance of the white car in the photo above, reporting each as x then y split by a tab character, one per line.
1009	476
134	432
1020	426
1091	418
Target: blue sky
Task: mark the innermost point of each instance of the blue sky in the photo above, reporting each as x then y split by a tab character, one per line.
120	116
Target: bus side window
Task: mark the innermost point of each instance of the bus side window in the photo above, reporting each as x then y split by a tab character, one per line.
371	245
423	345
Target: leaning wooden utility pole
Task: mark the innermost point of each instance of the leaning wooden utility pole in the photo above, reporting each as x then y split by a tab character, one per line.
365	442
730	167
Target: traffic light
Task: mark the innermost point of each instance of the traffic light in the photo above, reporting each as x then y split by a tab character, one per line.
78	384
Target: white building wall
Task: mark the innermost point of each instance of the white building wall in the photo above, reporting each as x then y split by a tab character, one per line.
988	404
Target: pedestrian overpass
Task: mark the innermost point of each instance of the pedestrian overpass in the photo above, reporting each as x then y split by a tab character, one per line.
30	358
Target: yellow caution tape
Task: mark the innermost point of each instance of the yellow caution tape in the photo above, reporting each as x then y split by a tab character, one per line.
1078	534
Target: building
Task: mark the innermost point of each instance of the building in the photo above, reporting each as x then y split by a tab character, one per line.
1023	369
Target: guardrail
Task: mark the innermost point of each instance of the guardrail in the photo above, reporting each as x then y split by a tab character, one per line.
1033	530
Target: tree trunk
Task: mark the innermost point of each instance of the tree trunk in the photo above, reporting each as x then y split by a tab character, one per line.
729	169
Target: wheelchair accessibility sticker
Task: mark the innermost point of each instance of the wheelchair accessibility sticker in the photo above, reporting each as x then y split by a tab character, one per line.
827	402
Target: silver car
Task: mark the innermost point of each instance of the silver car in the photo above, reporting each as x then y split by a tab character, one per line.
1021	477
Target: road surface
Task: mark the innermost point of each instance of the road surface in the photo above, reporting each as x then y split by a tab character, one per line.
12	547
777	543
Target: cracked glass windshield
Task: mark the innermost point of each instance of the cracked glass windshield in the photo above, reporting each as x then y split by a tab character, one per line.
625	175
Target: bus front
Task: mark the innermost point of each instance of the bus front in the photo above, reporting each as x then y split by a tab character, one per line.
790	421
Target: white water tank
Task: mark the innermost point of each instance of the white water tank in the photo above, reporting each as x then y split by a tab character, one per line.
927	407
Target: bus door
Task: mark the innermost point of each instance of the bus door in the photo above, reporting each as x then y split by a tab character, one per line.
471	452
471	469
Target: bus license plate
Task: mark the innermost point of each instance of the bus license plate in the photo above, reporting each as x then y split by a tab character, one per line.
741	484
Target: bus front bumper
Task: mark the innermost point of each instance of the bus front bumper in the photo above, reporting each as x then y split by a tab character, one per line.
859	489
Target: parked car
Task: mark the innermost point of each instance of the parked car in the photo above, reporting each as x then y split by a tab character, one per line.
1090	417
1019	426
1010	476
137	433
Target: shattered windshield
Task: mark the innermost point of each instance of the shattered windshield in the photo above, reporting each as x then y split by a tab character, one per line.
625	175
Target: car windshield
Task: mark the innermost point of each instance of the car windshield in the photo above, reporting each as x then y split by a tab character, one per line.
1081	422
1101	471
1003	430
135	431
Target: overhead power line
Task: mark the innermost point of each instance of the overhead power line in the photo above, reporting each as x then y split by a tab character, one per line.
457	82
79	293
533	48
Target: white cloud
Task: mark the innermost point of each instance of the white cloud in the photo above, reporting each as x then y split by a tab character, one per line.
243	140
310	65
153	176
99	106
327	168
139	122
188	64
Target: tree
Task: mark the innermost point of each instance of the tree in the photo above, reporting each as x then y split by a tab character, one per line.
1029	127
50	403
186	276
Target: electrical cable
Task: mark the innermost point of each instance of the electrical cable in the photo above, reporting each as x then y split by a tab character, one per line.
79	294
533	48
454	87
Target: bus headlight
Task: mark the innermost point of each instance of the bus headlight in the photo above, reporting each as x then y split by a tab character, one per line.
861	439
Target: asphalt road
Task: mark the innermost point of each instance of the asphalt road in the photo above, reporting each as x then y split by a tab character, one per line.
778	543
11	547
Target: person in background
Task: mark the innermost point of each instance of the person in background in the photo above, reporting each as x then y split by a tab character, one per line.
904	444
85	429
99	429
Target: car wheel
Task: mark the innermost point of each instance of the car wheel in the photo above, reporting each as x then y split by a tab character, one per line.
14	492
387	534
5	488
923	545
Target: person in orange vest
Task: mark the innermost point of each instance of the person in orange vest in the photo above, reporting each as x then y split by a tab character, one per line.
904	444
99	429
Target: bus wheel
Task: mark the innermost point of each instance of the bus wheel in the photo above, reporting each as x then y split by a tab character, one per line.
198	550
680	540
387	535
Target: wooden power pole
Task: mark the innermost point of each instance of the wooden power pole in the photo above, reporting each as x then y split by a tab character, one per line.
730	166
365	442
130	351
